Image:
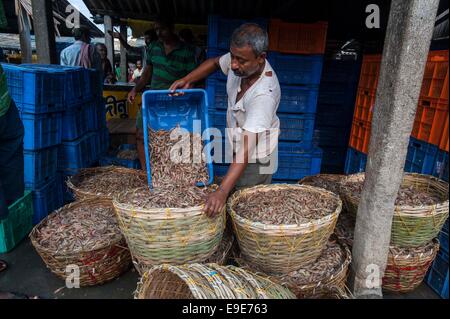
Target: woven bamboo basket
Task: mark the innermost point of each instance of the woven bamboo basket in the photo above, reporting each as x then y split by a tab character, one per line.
207	281
278	249
73	183
405	271
96	266
168	235
330	182
223	252
328	287
412	226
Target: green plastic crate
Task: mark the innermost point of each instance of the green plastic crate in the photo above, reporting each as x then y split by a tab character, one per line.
18	223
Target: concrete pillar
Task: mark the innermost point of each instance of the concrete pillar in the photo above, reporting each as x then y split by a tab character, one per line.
109	40
44	31
405	53
123	56
25	36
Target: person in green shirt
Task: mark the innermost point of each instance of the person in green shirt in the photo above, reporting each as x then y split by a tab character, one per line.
11	152
168	59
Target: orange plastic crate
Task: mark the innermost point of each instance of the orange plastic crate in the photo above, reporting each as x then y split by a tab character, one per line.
297	38
360	136
430	120
443	145
365	101
370	71
435	78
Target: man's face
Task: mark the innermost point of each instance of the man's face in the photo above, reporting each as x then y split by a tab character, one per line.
147	40
162	31
101	51
139	65
244	63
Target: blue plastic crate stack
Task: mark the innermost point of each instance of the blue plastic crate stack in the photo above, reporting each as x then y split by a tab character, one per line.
63	115
299	77
335	105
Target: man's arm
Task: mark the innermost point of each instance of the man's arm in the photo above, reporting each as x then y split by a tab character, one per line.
217	200
203	70
143	81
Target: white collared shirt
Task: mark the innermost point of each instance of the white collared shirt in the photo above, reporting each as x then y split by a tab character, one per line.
255	111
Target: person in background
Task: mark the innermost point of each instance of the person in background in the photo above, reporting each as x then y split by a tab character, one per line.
117	70
137	73
108	74
81	52
187	37
149	37
131	68
11	152
168	59
253	98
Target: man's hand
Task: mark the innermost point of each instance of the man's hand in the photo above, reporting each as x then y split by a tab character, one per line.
215	203
181	84
132	95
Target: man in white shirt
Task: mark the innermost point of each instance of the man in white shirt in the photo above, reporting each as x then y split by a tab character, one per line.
253	98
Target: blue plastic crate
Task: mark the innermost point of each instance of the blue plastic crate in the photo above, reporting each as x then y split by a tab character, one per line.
437	277
77	81
41	130
101	113
294	99
164	112
337	71
104	141
335	115
74	123
93	148
297	128
212	53
46	199
40	166
333	160
75	154
440	168
35	90
355	161
421	157
443	238
217	94
91	113
114	160
220	29
295	162
297	69
330	137
221	169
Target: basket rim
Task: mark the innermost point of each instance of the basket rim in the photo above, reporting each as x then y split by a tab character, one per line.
86	171
316	222
425	255
400	209
33	234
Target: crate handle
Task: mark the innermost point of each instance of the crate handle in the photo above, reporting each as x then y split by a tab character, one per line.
426	103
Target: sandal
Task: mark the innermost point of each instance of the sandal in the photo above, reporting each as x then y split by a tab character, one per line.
3	265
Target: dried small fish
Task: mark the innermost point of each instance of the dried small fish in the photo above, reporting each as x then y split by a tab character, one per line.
345	228
167	196
329	182
111	183
407	195
287	206
79	229
178	160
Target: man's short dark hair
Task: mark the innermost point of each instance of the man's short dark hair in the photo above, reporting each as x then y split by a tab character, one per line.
83	30
152	34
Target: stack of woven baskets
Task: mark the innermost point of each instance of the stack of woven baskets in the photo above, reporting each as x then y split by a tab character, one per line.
414	229
288	253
